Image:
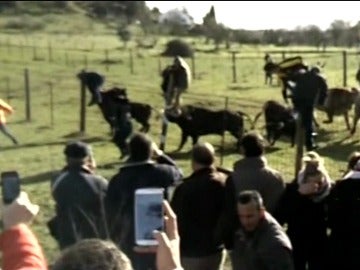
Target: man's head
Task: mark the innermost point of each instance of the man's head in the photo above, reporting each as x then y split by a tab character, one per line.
77	152
140	147
202	156
92	254
252	145
250	209
353	160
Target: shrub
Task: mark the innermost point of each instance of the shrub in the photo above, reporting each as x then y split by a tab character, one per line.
178	47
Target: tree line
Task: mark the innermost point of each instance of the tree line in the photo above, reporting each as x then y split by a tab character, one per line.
129	18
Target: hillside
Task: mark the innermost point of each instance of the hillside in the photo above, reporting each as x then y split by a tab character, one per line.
54	17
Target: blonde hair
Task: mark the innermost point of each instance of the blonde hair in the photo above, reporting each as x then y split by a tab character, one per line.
313	164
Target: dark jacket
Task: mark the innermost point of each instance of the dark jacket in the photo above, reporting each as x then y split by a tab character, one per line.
254	173
306	222
120	195
344	222
198	203
267	248
79	201
310	87
93	80
179	77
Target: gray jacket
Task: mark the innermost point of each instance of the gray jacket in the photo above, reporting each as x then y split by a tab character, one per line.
268	248
255	174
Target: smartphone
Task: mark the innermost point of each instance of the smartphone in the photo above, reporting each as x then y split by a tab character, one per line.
149	215
10	182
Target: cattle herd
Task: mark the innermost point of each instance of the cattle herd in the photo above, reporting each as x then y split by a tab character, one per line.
196	121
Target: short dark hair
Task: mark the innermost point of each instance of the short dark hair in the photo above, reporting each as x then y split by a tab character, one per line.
140	147
253	144
77	150
248	196
353	159
202	153
92	254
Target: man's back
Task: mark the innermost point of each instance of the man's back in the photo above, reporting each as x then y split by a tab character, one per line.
254	174
309	86
120	195
198	203
79	197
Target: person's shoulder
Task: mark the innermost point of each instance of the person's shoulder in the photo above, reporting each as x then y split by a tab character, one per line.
275	235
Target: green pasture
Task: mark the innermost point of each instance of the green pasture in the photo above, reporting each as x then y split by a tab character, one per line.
40	155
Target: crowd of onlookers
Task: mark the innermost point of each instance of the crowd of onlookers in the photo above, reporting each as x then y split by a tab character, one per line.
250	214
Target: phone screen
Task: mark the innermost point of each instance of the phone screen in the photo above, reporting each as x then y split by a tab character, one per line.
148	215
10	186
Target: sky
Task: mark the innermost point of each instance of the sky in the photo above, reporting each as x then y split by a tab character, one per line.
259	15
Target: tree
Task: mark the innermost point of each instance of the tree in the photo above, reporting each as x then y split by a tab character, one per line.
337	30
210	24
124	34
314	35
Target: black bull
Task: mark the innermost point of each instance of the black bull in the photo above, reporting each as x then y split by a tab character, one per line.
139	111
279	120
197	121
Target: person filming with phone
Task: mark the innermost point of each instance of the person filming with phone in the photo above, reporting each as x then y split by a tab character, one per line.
147	167
21	249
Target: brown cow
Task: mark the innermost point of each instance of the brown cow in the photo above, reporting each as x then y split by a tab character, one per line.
339	101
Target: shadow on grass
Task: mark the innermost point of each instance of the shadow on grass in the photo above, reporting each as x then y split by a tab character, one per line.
340	149
39	178
238	87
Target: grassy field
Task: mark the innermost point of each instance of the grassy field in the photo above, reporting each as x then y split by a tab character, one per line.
40	153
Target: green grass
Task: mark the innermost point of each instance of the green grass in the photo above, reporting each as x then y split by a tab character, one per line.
40	152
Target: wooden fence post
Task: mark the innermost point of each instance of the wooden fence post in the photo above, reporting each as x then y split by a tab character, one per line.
82	107
107	60
234	66
50	52
27	95
344	68
131	63
299	141
51	104
223	135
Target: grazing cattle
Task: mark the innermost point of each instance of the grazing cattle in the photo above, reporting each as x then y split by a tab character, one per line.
339	101
196	121
279	120
141	112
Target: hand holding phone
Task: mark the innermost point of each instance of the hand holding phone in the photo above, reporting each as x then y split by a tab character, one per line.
149	215
10	183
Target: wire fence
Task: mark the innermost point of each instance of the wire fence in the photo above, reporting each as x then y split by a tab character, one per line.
51	92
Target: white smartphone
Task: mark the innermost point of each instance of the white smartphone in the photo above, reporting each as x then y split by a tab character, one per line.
149	215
